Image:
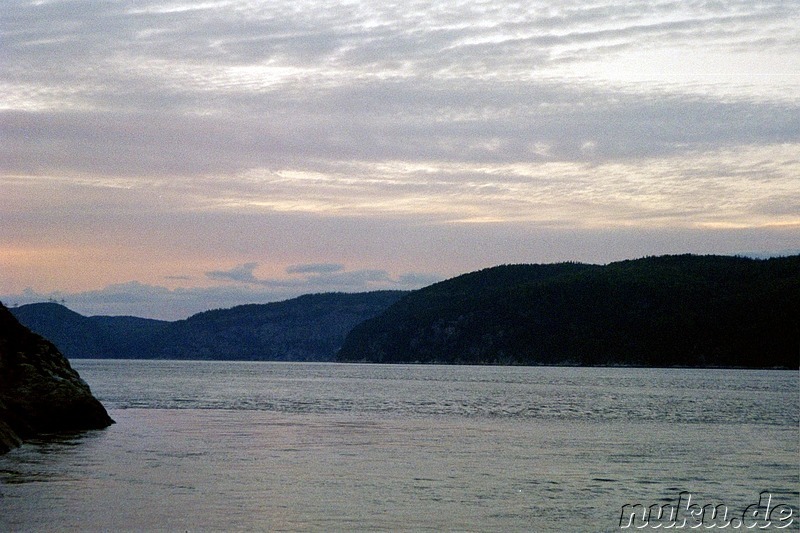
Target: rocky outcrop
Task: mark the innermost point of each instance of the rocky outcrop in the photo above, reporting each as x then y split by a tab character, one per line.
40	392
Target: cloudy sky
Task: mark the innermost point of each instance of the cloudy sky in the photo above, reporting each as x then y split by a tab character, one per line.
160	158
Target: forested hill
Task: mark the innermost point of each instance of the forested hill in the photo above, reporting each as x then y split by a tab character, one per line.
308	328
695	311
76	335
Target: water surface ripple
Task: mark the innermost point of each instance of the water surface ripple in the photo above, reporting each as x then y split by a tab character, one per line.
208	446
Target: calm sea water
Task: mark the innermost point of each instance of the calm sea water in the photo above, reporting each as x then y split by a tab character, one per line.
207	446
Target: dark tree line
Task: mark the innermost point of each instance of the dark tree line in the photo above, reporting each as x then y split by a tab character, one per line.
684	310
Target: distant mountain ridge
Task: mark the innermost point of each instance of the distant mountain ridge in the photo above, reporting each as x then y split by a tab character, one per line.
308	328
687	310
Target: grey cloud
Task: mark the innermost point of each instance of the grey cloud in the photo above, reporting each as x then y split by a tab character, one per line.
358	34
321	277
417	124
419	279
315	268
345	281
152	301
151	97
473	247
361	35
126	65
241	273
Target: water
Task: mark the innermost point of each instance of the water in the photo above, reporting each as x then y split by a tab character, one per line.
208	446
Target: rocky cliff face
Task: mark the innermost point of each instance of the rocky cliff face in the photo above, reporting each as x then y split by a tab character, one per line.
39	390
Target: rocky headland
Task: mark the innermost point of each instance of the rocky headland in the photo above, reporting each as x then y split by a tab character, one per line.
40	393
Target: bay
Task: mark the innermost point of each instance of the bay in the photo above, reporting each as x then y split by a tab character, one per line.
220	446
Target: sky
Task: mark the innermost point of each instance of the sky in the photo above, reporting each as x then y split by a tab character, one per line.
162	158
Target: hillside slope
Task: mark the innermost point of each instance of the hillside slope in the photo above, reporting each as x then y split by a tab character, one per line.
90	337
308	328
657	311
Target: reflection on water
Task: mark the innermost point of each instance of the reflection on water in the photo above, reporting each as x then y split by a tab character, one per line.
359	447
42	453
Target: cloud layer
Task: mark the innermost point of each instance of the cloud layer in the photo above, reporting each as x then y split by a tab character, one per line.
160	141
138	299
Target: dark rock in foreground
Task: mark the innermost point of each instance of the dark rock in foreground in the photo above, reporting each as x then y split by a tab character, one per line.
39	391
